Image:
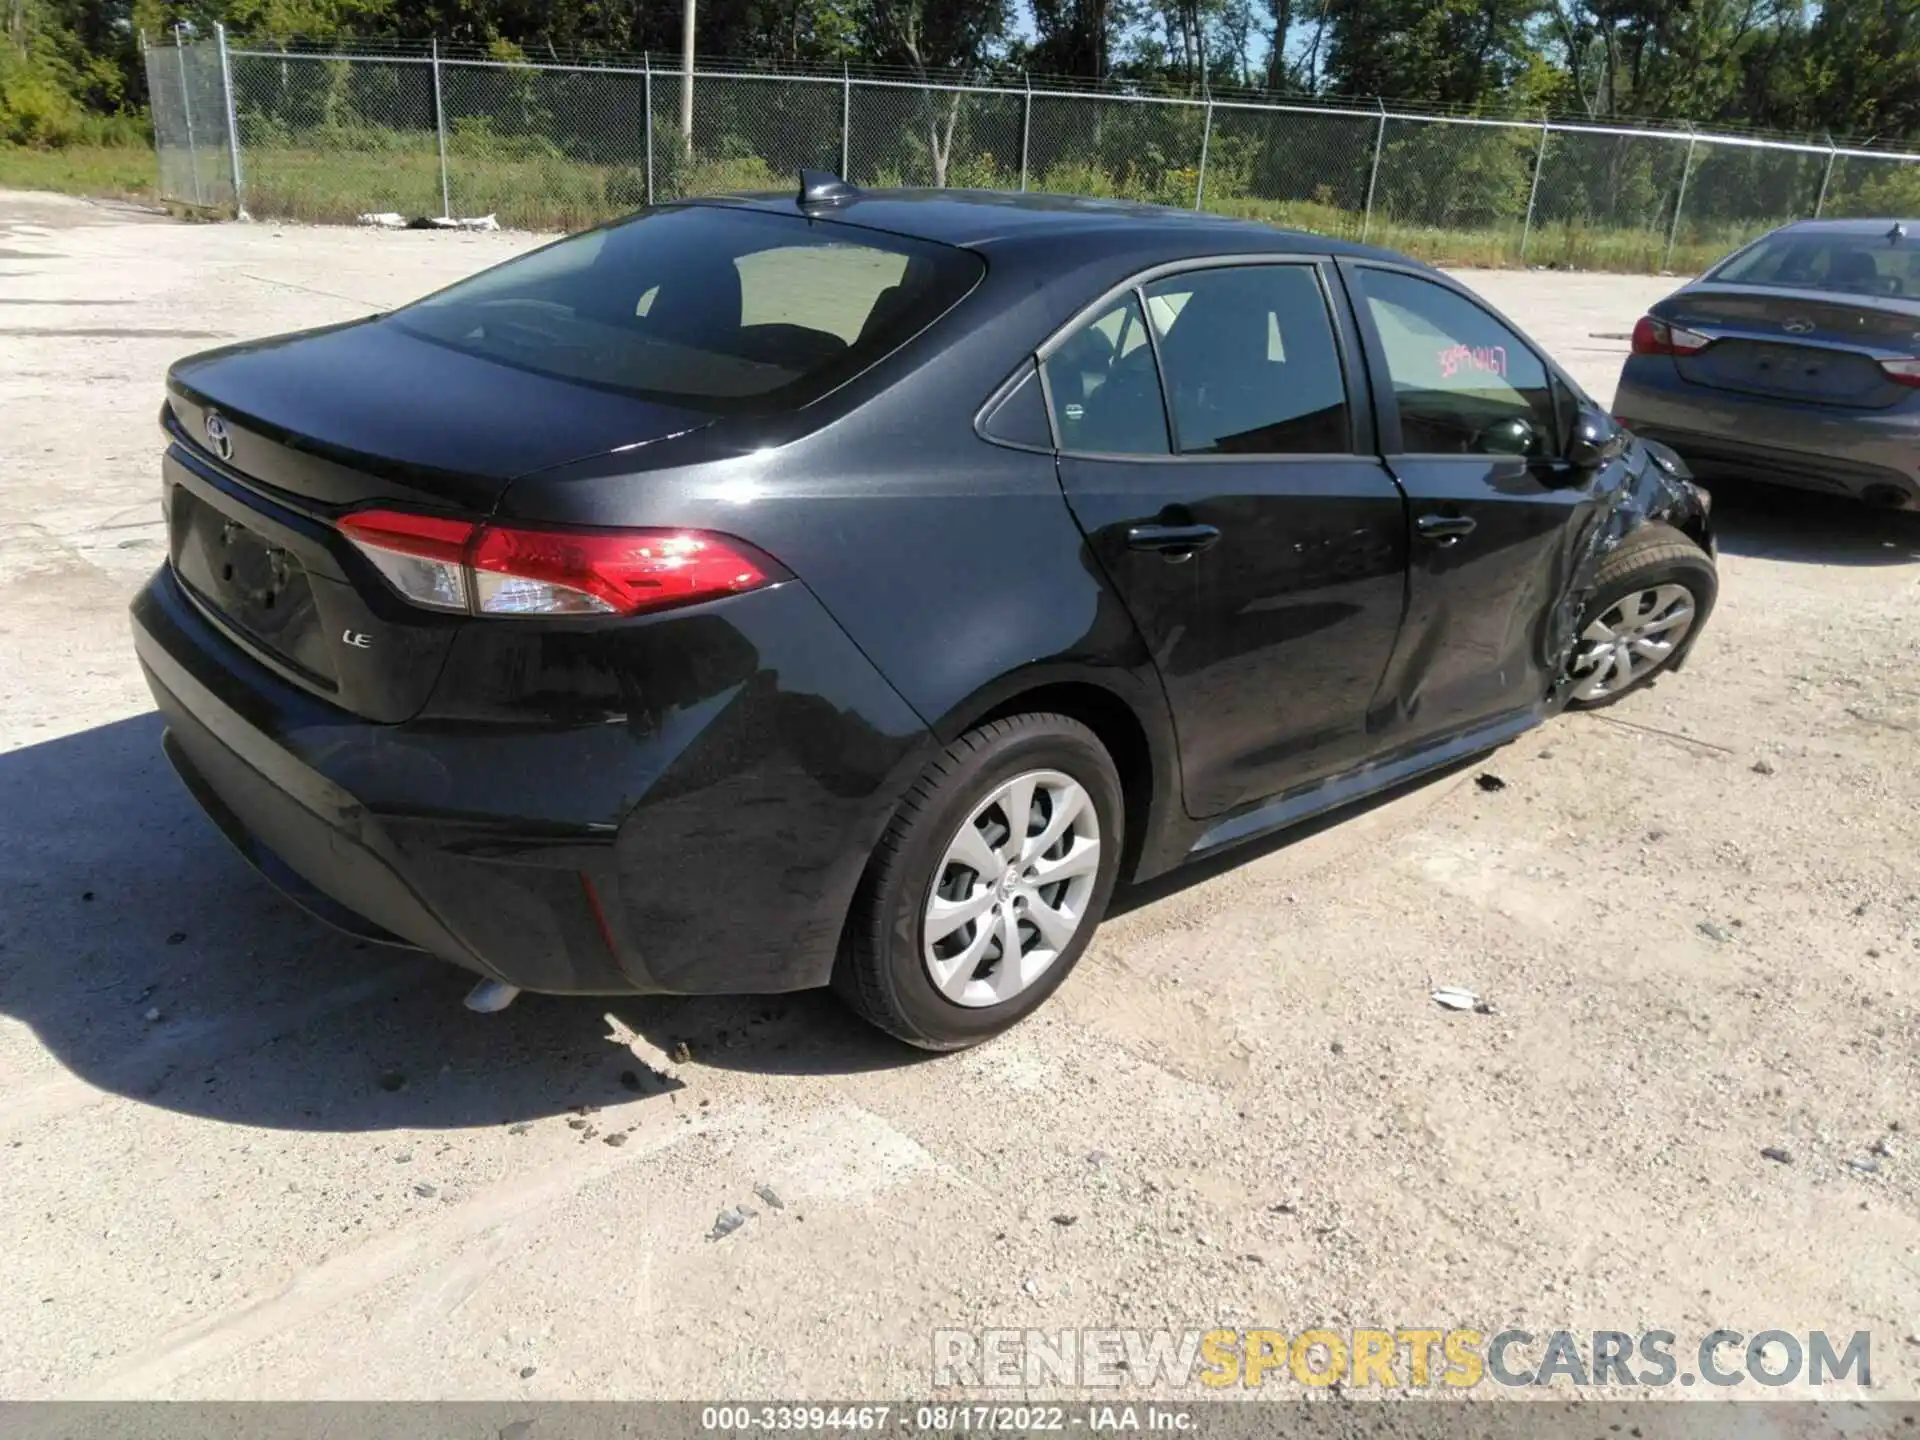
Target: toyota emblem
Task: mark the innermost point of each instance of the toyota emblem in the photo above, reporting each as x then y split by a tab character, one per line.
1797	326
219	438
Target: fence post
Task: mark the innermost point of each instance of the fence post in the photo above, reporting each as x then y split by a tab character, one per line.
440	132
186	110
686	77
233	121
646	60
1826	179
1026	128
1373	178
1533	191
1206	139
1680	200
846	120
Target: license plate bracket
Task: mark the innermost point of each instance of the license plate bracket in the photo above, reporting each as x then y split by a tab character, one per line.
258	587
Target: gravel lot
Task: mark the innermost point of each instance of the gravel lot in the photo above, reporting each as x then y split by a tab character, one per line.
243	1157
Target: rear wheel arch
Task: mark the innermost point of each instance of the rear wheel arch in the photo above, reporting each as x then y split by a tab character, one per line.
938	861
1147	761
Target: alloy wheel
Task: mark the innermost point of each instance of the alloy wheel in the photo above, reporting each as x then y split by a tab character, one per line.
1631	639
1012	888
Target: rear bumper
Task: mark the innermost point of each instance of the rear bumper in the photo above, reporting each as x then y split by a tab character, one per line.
1869	455
711	850
354	885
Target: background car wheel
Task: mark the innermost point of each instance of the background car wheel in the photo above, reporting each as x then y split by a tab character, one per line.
987	885
1652	596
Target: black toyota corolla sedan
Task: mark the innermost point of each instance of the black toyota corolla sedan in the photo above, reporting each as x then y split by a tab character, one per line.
1794	361
853	587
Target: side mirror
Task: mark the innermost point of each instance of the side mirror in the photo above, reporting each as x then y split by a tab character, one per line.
1512	436
1595	441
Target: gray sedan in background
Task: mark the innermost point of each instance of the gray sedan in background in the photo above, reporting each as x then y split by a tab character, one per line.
1794	361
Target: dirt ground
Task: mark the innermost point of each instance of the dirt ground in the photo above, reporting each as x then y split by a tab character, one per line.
243	1157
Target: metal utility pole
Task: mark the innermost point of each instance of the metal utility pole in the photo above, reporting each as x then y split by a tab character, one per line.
1373	175
233	122
1206	140
186	109
686	77
440	135
1680	199
1026	127
1533	190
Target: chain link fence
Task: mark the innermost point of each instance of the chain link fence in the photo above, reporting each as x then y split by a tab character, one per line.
330	137
192	108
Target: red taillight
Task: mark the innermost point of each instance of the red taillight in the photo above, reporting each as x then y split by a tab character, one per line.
1657	337
514	570
421	556
547	572
1903	371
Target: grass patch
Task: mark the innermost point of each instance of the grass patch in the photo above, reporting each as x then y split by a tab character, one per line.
549	192
526	192
124	172
1621	250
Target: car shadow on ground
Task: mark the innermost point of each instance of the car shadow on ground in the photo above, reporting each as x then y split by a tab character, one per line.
150	961
1768	522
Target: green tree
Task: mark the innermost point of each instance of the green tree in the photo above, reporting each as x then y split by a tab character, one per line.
1686	58
1073	37
1465	53
937	39
1863	68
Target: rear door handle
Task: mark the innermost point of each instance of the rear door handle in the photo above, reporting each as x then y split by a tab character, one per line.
1175	542
1444	528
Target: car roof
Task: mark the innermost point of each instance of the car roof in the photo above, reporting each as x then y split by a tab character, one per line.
976	218
1876	227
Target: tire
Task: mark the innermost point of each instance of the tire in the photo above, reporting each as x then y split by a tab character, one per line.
928	989
1637	584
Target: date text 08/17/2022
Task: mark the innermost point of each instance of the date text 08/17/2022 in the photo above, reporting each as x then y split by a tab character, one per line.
947	1419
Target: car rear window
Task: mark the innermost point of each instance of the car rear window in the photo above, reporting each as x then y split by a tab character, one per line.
715	308
1850	263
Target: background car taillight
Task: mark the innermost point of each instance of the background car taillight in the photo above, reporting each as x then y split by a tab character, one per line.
484	569
1903	371
1657	337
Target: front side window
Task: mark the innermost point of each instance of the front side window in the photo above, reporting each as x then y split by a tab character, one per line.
703	306
1464	383
1251	362
1103	386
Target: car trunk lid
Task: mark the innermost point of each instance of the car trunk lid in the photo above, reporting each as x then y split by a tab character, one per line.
273	442
373	411
1806	345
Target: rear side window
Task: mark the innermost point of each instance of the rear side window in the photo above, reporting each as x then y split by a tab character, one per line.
704	306
1848	264
1103	386
1464	383
1251	363
1021	416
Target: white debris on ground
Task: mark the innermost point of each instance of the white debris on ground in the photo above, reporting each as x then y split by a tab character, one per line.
394	220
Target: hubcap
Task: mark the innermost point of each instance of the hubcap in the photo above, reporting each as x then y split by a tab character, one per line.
1632	639
1011	891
